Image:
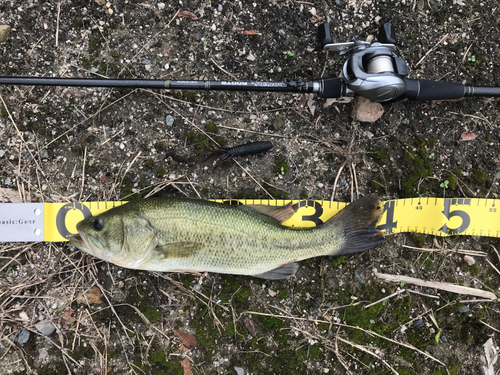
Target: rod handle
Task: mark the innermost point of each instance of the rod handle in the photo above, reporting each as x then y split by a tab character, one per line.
423	89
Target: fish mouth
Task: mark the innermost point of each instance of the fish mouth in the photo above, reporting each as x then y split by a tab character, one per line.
78	241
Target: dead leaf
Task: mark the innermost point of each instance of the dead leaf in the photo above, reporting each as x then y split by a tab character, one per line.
468	137
94	295
237	30
100	2
497	161
187	14
186	365
188	340
250	32
67	318
250	326
366	110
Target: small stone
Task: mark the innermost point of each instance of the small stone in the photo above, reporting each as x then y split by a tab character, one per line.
251	57
4	33
7	181
161	6
170	120
278	122
213	27
282	32
45	327
358	277
253	117
239	370
366	110
146	62
469	260
147	67
418	323
342	182
219	8
2	153
44	154
464	309
122	146
23	337
43	354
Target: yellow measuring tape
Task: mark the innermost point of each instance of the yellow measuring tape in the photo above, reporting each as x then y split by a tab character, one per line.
435	216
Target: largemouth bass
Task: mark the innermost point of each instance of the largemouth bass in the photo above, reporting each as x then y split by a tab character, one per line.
193	235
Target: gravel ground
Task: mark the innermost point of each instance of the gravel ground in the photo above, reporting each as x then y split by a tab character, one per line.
78	144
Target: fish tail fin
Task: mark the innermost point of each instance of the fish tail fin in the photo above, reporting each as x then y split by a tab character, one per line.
357	225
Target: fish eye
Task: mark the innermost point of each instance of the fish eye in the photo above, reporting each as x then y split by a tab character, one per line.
98	224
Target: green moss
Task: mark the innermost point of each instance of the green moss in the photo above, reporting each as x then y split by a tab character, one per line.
452	370
126	192
284	293
452	182
187	280
191	96
156	354
149	164
247	120
338	260
141	366
303	194
211	127
418	238
3	112
206	333
419	167
142	182
479	176
488	137
281	164
114	53
380	156
161	172
95	42
153	314
242	295
474	270
220	140
148	117
440	19
177	95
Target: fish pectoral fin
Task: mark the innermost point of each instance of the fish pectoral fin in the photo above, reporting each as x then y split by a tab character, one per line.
179	249
282	272
280	213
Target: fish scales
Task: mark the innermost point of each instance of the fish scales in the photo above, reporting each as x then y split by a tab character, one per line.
196	235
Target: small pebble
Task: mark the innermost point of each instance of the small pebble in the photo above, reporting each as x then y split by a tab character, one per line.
7	181
219	8
282	32
213	27
469	260
4	33
251	57
2	153
146	62
44	154
161	6
23	337
170	120
42	354
45	327
418	323
239	370
253	117
342	182
358	277
464	309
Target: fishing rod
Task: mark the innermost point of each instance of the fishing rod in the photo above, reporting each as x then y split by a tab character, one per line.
373	70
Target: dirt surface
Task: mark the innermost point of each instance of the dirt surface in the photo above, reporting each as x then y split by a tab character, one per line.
77	144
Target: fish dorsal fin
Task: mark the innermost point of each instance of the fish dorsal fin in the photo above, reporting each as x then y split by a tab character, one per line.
280	213
178	249
282	272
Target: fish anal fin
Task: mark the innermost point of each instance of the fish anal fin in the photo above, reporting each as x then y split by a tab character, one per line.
280	213
281	272
178	249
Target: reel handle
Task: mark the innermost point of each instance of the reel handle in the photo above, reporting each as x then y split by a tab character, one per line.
324	34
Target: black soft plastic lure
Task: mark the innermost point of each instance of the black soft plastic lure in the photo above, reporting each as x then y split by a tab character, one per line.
225	153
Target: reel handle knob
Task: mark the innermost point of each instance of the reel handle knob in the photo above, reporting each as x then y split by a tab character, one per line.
387	34
324	34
